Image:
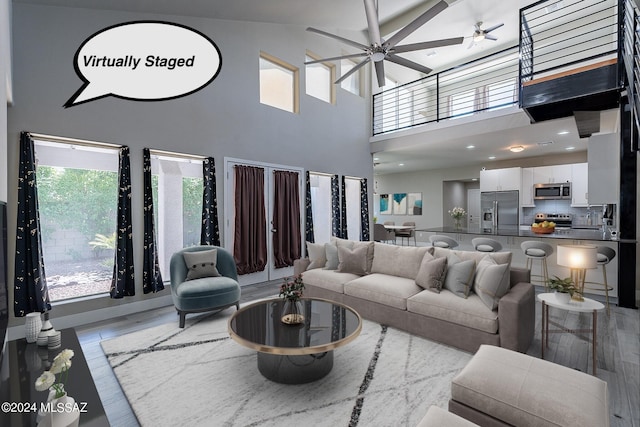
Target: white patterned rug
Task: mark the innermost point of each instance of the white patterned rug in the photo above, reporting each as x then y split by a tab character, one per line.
199	376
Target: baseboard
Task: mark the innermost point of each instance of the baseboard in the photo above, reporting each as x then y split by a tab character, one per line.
73	320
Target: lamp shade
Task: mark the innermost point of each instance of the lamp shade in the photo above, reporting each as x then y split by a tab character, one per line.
577	256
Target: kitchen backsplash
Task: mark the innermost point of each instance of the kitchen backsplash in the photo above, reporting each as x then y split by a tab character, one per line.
554	206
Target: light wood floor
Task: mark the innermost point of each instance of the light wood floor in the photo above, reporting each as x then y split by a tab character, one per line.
618	353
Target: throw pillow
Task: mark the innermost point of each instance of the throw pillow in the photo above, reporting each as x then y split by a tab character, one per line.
459	276
317	255
356	244
431	273
491	282
331	253
353	260
201	264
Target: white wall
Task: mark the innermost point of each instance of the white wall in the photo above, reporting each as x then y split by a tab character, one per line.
224	119
5	89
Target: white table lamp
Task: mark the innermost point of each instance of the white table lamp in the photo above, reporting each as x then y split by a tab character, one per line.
578	258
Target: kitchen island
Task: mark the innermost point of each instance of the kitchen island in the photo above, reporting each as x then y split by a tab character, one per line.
511	241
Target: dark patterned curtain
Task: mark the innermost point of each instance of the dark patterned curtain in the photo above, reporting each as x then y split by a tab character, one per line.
123	280
335	206
249	240
364	211
286	218
210	231
308	230
343	210
151	276
30	291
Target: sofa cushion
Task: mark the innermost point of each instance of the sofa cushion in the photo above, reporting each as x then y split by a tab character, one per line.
317	255
331	253
470	312
431	273
201	264
498	257
459	276
526	391
491	281
332	280
356	244
383	289
398	260
352	260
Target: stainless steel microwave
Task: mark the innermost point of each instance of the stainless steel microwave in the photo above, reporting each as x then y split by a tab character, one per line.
552	191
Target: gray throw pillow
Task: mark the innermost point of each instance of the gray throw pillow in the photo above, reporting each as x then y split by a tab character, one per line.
331	253
201	264
431	273
317	256
491	282
459	276
352	260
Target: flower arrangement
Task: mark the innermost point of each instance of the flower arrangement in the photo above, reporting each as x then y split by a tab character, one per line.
61	364
292	289
457	213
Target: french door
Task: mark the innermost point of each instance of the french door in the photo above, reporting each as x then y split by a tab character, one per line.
270	271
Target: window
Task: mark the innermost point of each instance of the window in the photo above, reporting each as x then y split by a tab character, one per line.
502	94
353	82
321	206
462	104
177	193
78	200
319	80
278	83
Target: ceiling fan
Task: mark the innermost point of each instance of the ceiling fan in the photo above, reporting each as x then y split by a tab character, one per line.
380	49
479	34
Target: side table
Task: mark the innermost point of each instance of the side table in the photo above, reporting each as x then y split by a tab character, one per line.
586	306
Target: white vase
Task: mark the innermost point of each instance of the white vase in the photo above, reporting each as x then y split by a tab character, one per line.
32	326
563	297
63	412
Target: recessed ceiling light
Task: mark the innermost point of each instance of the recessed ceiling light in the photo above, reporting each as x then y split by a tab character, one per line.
400	164
470	147
544	144
516	148
376	158
474	179
563	132
492	157
570	148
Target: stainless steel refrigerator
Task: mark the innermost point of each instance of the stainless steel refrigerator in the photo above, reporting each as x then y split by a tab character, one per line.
500	211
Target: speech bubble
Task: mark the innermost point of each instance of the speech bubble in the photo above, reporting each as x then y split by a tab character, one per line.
144	61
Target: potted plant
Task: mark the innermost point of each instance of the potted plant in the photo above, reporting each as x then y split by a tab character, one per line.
564	288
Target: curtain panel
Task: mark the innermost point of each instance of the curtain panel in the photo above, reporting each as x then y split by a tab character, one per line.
335	206
308	230
343	210
286	218
249	240
123	280
210	230
151	275
30	289
364	211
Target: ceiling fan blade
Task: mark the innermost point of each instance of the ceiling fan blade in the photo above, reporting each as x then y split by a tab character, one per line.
380	73
409	64
342	39
428	45
472	44
416	23
372	22
488	30
317	61
490	37
353	70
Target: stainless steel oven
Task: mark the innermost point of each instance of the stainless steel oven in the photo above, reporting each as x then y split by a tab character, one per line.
552	191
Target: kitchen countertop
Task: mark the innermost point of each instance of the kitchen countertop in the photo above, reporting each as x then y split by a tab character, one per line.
525	231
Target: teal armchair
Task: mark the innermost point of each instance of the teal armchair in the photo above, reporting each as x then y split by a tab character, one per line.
204	293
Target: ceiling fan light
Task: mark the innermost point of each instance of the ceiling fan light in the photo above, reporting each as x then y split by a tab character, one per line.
478	37
516	148
377	56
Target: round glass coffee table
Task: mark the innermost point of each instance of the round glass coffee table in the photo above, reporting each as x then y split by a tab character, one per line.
295	354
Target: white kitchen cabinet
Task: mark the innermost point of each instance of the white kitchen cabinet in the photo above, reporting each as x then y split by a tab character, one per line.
604	168
500	179
580	185
552	174
526	192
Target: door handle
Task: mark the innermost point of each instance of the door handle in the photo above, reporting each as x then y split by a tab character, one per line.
273	230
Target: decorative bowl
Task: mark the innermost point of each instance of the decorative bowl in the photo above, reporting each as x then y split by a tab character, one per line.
543	230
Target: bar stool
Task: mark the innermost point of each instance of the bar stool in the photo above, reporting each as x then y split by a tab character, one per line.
538	251
440	241
605	255
482	244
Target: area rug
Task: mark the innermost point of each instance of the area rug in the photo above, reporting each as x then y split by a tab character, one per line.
199	376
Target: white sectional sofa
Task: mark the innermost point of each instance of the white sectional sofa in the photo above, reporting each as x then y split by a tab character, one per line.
475	299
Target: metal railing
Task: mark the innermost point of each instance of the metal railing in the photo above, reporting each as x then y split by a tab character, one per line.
631	56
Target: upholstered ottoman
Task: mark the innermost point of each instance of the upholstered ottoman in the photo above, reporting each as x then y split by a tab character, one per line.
438	417
502	387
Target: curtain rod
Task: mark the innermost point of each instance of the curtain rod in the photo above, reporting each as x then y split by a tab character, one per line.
74	141
321	173
177	155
